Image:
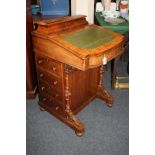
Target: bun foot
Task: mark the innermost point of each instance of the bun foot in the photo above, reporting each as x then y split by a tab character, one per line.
79	134
109	105
42	109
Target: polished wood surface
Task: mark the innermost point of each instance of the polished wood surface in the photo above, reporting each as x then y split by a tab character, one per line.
31	81
69	78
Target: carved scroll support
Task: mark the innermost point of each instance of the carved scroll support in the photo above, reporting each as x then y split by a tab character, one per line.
70	115
102	92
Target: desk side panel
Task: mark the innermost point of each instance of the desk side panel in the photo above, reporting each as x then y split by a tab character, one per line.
83	85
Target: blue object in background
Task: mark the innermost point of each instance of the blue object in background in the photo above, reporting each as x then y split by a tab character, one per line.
35	9
55	7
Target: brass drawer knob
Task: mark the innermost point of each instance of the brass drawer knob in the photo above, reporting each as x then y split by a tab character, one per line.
41	75
54	68
42	88
55	82
40	61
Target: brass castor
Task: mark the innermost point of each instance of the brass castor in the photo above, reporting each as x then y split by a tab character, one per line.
79	134
42	109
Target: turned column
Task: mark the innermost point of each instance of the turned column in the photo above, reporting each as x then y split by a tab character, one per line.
70	115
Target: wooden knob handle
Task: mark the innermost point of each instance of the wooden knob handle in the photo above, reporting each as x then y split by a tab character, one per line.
42	88
50	100
57	95
54	68
55	82
40	61
41	75
44	99
57	107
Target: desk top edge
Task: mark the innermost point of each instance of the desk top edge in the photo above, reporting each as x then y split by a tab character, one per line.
47	22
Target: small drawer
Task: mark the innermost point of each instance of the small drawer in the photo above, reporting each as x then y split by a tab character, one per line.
52	81
46	99
45	88
50	101
49	64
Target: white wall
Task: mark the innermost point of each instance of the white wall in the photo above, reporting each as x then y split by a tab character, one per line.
83	7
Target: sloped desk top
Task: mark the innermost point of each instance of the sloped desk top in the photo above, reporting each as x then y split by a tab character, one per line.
81	47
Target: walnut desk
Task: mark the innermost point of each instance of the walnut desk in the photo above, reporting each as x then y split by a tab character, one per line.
69	56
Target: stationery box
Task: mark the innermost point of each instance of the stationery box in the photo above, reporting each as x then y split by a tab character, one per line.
55	7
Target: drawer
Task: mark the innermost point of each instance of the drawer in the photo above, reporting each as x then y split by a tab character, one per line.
46	99
53	81
97	60
50	101
45	88
49	64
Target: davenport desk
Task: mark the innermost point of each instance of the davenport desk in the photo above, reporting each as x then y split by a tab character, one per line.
69	56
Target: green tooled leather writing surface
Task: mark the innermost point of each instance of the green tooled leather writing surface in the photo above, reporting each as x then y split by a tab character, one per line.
89	38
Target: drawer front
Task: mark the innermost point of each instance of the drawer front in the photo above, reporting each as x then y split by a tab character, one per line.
49	64
46	99
50	101
97	60
45	88
52	81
